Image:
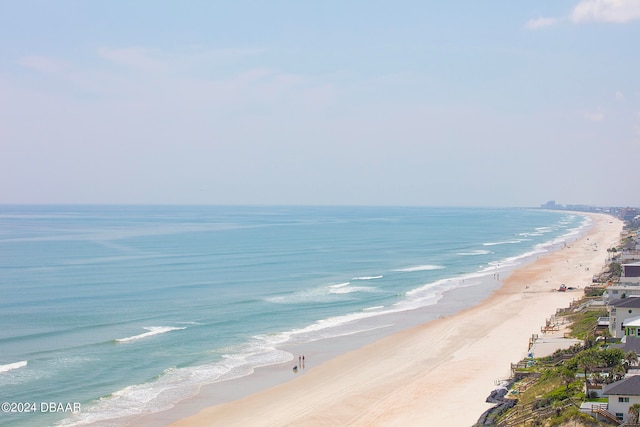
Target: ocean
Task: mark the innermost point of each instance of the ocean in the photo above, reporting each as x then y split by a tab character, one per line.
121	311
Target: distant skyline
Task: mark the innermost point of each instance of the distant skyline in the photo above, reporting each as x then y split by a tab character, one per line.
460	103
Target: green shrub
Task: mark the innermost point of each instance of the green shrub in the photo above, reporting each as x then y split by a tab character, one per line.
573	414
559	394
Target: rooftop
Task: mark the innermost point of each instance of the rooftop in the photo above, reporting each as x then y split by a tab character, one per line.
630	343
629	302
629	386
633	321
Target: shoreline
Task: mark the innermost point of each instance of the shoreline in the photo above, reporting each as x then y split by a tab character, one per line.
419	374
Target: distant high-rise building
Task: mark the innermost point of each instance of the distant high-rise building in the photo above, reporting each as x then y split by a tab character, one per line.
551	204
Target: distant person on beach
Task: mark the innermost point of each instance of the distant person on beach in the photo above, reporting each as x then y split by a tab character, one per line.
295	369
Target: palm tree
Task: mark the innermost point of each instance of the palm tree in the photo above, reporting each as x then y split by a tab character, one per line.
617	372
588	360
634	413
597	378
589	341
630	359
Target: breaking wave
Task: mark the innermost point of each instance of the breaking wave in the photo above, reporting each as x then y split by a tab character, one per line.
152	330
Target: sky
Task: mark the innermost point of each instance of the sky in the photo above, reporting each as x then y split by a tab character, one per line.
360	102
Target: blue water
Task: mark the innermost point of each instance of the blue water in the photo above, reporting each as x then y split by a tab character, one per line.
129	309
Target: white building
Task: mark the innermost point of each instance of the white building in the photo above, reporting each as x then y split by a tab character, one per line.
629	283
615	292
630	255
630	274
632	327
622	394
620	311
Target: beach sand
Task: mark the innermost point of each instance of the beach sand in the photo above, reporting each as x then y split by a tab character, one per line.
435	374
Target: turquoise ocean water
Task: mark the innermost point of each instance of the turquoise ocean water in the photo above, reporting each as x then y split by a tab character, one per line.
129	309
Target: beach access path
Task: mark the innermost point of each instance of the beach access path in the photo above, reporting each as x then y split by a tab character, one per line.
435	374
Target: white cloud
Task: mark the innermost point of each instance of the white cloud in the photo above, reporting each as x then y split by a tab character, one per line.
606	11
619	96
534	24
612	11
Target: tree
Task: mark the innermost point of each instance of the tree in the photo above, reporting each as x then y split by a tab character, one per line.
634	413
617	373
630	359
598	378
588	360
567	374
612	356
589	341
615	270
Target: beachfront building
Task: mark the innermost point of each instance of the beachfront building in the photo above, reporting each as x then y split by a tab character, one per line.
632	327
630	274
629	343
615	292
621	395
620	311
631	255
629	284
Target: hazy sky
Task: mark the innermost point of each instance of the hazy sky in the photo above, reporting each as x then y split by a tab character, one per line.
465	103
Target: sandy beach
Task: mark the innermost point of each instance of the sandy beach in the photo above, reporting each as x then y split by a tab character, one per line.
435	374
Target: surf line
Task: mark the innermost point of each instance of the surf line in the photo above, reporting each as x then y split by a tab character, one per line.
153	330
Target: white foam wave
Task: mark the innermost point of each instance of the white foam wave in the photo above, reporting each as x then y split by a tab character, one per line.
340	285
510	262
538	249
427	267
505	242
320	294
153	330
324	328
346	324
352	289
174	385
368	277
11	366
432	292
474	253
359	331
530	234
